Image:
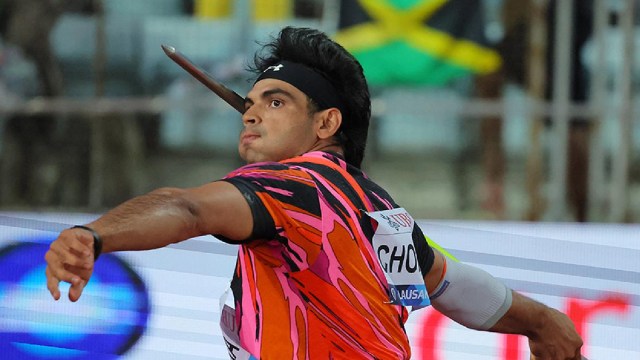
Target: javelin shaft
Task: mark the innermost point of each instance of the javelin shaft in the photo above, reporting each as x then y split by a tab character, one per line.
229	96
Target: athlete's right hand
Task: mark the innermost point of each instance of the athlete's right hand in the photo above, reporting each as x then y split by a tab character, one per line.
557	340
70	259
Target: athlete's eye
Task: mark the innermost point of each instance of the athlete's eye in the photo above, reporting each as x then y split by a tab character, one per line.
276	103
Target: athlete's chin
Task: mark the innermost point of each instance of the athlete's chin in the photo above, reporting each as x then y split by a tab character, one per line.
251	156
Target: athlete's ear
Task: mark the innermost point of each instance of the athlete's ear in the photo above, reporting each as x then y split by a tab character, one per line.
329	121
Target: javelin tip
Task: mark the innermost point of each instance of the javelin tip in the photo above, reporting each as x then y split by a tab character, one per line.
168	49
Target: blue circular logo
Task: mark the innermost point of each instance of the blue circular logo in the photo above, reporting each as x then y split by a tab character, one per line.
106	322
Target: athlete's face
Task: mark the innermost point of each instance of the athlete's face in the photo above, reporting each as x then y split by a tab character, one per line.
277	123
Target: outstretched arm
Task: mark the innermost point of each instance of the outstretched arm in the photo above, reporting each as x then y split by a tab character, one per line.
150	221
551	334
475	299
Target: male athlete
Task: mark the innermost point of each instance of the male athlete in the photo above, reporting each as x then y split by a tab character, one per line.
328	263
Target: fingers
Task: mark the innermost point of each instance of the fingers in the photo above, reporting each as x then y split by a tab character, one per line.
577	355
56	267
73	248
56	271
75	291
69	259
52	284
546	351
84	245
79	243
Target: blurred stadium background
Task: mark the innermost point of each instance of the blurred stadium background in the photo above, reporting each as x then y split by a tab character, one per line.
493	119
523	111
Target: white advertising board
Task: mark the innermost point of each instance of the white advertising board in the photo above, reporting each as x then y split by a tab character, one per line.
163	304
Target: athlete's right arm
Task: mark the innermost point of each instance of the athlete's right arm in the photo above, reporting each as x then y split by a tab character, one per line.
475	299
150	221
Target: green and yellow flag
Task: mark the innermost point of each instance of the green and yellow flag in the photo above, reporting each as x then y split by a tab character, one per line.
416	42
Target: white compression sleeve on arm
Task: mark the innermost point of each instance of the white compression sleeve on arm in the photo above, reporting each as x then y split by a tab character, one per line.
470	296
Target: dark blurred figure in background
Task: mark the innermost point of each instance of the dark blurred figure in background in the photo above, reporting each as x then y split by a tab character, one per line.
30	159
514	48
579	127
52	159
28	170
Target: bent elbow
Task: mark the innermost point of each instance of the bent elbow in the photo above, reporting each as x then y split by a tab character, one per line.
183	209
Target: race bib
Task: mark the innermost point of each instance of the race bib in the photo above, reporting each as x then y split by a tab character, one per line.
230	334
393	245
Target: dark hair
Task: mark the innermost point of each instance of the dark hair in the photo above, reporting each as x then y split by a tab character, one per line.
316	50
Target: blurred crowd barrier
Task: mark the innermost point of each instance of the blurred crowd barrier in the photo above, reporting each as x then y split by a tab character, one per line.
493	109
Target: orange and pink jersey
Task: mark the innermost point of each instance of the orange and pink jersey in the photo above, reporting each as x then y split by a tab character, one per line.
307	284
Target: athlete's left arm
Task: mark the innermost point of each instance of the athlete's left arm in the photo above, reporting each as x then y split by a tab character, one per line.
475	299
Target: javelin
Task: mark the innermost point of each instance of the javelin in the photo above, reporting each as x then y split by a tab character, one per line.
229	96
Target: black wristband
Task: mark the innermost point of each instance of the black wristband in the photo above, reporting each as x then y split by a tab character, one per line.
97	240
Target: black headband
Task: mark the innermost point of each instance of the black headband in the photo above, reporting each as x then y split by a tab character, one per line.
310	82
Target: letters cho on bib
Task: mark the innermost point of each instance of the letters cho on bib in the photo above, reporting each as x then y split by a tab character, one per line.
393	244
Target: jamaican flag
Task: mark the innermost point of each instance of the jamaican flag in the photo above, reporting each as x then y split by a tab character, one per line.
416	42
